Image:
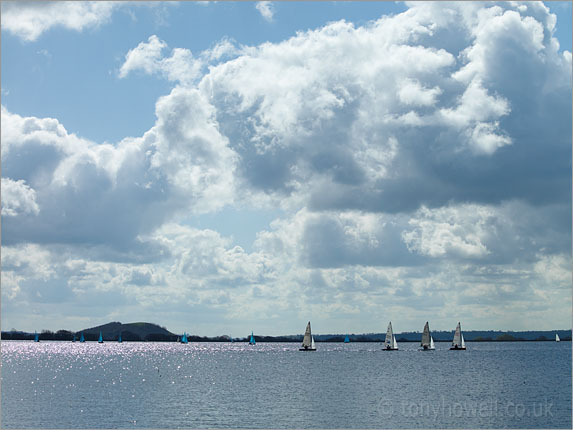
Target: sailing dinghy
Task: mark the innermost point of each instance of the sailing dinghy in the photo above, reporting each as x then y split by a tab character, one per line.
557	338
427	340
390	343
458	344
308	340
184	338
346	339
252	340
100	340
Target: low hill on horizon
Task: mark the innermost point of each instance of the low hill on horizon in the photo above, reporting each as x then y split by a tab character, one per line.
129	331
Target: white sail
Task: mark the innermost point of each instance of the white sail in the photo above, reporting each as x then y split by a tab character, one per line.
312	342
306	341
431	342
389	334
463	342
457	336
426	335
557	337
394	343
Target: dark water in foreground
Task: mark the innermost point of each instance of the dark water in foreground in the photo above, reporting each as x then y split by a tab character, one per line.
167	385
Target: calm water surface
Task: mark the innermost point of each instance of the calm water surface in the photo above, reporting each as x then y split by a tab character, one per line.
356	385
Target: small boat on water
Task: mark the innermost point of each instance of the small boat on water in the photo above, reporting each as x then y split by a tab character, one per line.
184	338
82	339
458	344
557	338
390	343
100	340
252	339
119	339
346	339
427	340
36	337
308	340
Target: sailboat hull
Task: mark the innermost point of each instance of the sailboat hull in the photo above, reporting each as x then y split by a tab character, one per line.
389	349
459	348
307	349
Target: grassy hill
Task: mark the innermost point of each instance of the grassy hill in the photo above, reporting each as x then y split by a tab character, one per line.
131	331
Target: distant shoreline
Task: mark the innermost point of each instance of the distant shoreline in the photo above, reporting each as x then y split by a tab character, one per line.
290	341
148	332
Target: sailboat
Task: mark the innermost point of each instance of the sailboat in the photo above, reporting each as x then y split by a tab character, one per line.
100	340
119	338
36	337
427	340
390	342
458	344
308	340
184	338
346	339
557	338
82	340
252	339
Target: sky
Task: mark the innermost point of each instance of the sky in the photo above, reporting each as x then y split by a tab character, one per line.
222	167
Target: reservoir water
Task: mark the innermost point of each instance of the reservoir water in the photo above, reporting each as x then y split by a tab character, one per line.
235	385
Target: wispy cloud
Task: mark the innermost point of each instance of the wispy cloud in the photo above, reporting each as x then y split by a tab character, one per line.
29	20
266	9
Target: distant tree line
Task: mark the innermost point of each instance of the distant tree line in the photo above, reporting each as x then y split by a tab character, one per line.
67	335
473	336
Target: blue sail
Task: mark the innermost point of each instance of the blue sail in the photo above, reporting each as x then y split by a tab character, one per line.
100	340
82	337
184	338
252	341
119	339
36	337
346	339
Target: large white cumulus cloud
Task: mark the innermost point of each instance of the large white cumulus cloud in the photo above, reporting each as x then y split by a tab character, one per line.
419	161
80	192
315	108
